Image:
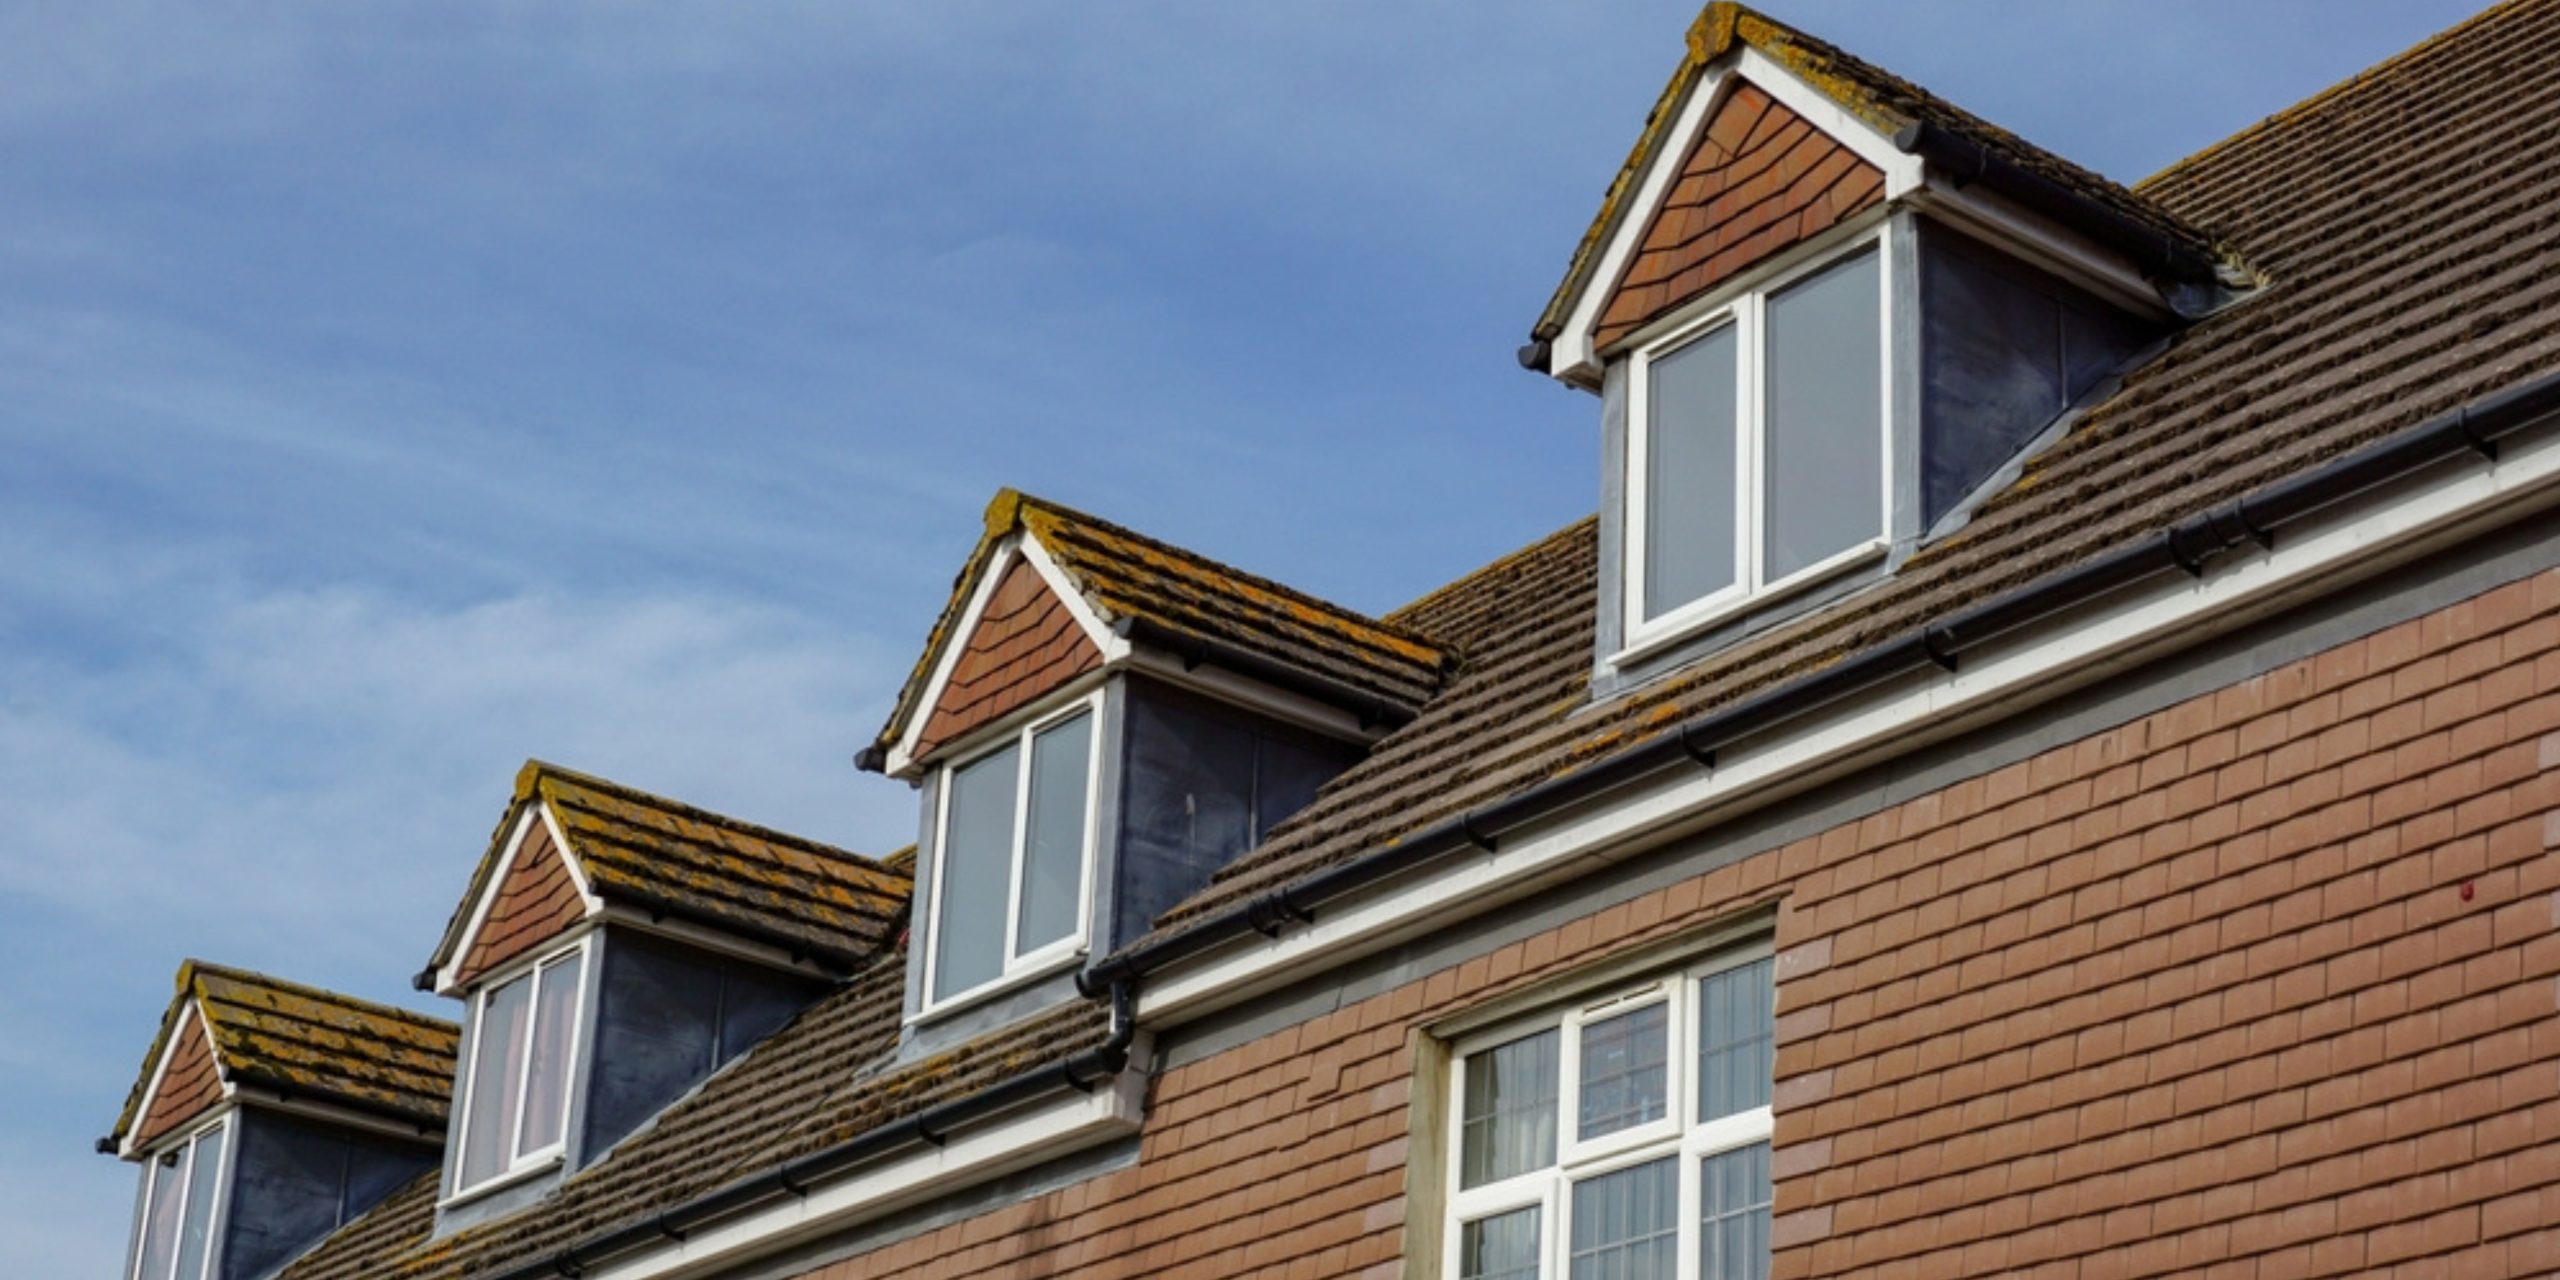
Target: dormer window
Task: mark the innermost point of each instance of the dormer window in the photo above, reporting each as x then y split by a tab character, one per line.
1015	834
1758	446
176	1241
515	1098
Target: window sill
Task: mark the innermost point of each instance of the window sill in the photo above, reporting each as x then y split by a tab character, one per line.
1650	640
525	1173
990	992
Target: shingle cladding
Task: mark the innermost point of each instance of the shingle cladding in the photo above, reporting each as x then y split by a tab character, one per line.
829	1076
2408	224
313	1043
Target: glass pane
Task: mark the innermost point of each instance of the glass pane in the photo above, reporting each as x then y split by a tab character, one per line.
1825	472
555	1022
1508	1126
1626	1224
160	1216
1737	1032
977	861
1733	1215
495	1054
1053	860
1689	487
1502	1247
197	1231
1623	1078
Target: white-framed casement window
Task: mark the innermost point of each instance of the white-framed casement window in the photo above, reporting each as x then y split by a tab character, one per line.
515	1091
180	1199
1622	1137
1758	445
1013	857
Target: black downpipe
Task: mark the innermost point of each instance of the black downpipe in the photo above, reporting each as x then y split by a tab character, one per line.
930	1127
2190	546
2158	253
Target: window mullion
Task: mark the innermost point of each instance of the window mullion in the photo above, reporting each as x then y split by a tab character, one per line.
1749	380
523	1071
1021	852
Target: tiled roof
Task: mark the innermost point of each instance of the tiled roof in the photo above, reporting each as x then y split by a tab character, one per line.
1886	101
829	1076
1122	574
657	854
311	1044
2405	221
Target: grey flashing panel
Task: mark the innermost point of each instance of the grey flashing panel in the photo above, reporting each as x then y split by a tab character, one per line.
294	1181
2005	349
667	1016
1201	782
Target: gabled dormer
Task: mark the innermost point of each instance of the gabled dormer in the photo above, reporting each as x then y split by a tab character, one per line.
269	1114
1827	313
1098	723
614	949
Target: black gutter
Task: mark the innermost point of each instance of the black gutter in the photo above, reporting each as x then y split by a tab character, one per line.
930	1127
1372	709
2189	546
2156	252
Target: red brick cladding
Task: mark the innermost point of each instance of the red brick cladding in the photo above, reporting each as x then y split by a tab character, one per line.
535	903
1759	180
2260	985
1025	644
190	1087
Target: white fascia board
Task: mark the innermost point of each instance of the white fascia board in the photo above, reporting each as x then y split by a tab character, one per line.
2352	540
449	975
1570	354
189	1016
2041	242
901	761
1018	1140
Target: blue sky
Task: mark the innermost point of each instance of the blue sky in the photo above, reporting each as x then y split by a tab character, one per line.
392	392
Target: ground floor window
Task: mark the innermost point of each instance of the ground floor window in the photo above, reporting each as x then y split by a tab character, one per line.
1622	1136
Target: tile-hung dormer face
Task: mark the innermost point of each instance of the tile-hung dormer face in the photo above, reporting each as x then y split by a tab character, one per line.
1099	723
1826	314
616	948
268	1115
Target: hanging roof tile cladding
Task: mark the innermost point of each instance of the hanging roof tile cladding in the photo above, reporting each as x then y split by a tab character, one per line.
2408	222
1125	574
314	1043
1884	100
828	1077
647	850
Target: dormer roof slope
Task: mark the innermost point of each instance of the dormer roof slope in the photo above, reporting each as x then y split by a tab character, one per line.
2403	221
658	855
305	1044
1896	108
829	1076
1156	594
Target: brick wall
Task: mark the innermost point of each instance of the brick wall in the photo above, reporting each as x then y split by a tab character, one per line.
536	903
189	1088
1025	644
1760	180
2258	986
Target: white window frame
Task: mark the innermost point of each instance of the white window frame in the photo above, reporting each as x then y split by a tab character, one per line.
152	1168
517	1168
1050	957
1682	1135
1746	313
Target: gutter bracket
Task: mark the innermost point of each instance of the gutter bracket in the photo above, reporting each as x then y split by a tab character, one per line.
1467	828
2480	444
1940	646
1703	756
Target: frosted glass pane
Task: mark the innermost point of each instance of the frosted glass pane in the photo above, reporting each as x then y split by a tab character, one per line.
977	866
1624	1083
1502	1247
1508	1125
1825	467
1689	485
496	1052
196	1233
1053	862
1734	1195
555	1022
160	1216
1737	1029
1626	1224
